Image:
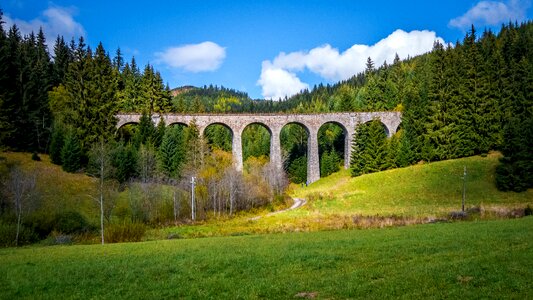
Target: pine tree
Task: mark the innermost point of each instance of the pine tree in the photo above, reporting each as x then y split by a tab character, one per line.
62	59
56	143
154	97
441	129
171	152
376	148
297	170
125	162
515	172
357	163
159	133
99	119
6	127
369	149
325	164
145	131
11	87
71	153
118	61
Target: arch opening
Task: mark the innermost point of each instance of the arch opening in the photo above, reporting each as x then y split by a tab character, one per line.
256	142
126	132
178	124
332	145
219	136
294	148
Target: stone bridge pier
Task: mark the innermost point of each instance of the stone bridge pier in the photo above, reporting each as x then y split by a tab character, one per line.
274	123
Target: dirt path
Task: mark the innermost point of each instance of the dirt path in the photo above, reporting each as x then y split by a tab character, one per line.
298	202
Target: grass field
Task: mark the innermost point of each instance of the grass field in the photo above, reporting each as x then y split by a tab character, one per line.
485	259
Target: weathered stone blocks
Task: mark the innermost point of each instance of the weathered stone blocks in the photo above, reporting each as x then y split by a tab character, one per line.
274	123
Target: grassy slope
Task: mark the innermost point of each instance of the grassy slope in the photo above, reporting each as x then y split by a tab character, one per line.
488	259
58	190
420	190
414	193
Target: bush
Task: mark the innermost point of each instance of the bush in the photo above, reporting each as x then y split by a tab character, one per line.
67	222
125	232
528	211
71	222
35	156
8	233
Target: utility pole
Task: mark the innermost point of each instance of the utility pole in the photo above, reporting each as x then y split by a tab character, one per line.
193	204
464	190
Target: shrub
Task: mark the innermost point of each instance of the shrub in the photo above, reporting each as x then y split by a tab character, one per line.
35	156
71	222
125	232
8	233
67	222
528	211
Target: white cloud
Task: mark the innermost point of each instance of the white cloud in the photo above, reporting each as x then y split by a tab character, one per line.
206	56
492	13
278	78
54	21
278	83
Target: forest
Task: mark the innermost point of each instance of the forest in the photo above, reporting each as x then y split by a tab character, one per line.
458	100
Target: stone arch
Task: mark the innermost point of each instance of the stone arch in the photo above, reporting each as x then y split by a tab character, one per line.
178	124
125	124
346	141
231	131
399	127
313	167
385	127
303	125
263	125
126	131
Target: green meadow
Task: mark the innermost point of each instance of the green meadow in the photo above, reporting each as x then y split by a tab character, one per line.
483	259
412	195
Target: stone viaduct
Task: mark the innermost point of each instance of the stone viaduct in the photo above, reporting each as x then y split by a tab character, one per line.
274	123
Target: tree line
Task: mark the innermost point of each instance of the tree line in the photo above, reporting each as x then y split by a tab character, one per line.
456	101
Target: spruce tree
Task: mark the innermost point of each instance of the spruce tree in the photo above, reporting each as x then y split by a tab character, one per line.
359	144
125	162
515	172
159	133
145	131
171	152
71	153
376	148
56	143
62	59
369	149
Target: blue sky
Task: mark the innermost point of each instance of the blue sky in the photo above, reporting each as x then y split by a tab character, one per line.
268	49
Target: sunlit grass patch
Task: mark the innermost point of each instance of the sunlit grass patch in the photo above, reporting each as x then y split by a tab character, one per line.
486	259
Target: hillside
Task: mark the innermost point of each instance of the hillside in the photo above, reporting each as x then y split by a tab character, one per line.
419	190
411	195
416	194
58	190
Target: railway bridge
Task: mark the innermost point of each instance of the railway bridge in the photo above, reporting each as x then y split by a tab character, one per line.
236	123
